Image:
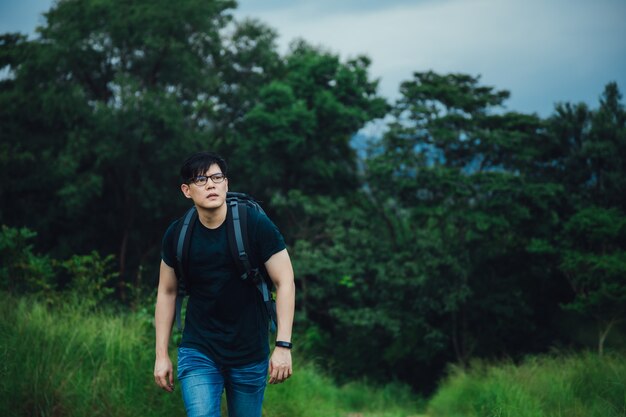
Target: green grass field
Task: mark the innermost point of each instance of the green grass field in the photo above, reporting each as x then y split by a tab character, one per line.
573	385
67	361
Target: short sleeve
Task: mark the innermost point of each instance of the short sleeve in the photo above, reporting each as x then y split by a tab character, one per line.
167	246
269	240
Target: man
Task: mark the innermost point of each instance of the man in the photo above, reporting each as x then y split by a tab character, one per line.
225	340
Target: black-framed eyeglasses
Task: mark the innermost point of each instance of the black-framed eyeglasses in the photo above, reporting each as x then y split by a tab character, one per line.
201	180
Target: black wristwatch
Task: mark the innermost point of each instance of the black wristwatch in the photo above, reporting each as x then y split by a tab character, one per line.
287	345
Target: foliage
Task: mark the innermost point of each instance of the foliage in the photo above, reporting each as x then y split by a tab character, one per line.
119	94
460	233
594	260
22	270
568	385
130	89
589	246
90	278
297	135
442	238
447	180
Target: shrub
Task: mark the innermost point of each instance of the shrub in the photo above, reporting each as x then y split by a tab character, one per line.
90	277
21	270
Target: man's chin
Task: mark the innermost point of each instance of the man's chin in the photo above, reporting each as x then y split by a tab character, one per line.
212	204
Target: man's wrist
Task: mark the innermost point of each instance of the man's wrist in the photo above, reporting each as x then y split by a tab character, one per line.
162	353
283	344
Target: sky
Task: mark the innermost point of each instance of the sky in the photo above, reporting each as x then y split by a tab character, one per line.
542	51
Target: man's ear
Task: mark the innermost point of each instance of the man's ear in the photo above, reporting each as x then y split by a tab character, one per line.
185	189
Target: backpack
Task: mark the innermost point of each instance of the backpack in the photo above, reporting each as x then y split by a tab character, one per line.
238	205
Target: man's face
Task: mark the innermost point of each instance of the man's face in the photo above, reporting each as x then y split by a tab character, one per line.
211	195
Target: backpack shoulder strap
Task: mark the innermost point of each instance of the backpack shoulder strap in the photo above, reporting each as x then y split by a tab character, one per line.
239	243
182	241
237	229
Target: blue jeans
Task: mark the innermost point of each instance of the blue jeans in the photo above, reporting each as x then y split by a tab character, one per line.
203	382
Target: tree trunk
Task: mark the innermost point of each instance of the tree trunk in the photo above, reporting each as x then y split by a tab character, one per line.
135	302
129	215
602	334
123	252
457	340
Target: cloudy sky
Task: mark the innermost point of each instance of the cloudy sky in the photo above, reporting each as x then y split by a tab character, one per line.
543	51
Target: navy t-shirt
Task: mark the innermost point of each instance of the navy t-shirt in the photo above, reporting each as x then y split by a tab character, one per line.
226	317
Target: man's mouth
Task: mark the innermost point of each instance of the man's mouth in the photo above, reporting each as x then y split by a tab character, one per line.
213	195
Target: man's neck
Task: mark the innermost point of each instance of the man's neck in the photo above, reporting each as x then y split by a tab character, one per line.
212	218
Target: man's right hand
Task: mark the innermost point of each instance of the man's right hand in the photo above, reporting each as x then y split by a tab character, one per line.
164	373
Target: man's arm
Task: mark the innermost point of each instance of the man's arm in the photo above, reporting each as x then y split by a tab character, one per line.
163	320
281	272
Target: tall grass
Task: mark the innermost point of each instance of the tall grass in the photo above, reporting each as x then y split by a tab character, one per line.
309	393
575	385
67	361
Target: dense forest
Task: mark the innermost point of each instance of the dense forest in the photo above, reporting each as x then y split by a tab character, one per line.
464	231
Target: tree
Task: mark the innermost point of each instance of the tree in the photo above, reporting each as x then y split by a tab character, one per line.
115	88
297	136
594	261
452	170
588	160
405	271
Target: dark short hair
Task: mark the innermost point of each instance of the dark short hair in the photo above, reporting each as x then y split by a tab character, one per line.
199	163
